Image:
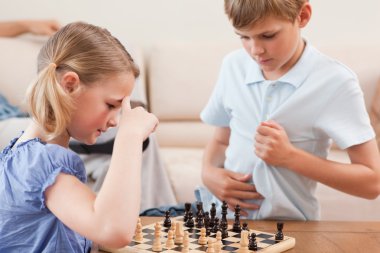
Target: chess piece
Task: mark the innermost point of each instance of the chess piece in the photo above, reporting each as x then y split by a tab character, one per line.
245	226
138	233
199	220
185	246
244	242
223	221
210	246
190	222
202	239
178	233
252	245
157	247
187	209
170	240
279	235
167	222
218	244
236	227
215	228
199	213
212	215
173	226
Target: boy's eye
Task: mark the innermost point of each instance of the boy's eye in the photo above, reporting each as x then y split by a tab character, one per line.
244	37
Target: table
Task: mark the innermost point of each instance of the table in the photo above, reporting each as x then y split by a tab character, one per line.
320	236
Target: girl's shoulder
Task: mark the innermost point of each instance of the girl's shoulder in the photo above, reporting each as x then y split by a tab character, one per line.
41	157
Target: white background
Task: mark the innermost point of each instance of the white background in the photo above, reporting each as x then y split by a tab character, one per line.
147	22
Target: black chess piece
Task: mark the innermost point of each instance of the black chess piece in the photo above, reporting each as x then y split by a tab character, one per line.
212	215
252	245
187	209
190	222
279	235
245	226
237	227
224	212
167	221
215	228
199	221
199	211
223	228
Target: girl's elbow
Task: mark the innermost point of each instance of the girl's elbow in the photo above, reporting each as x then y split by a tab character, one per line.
116	237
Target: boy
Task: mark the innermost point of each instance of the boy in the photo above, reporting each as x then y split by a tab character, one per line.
276	106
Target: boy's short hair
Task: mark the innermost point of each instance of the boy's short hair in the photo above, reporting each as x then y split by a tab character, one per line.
246	13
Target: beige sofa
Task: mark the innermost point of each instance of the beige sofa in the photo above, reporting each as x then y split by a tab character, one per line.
179	80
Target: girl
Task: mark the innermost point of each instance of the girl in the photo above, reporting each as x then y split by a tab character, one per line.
85	78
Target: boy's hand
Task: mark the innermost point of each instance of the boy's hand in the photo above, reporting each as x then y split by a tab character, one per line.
233	188
272	144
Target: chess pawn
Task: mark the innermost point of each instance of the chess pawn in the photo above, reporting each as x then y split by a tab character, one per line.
202	239
252	242
173	226
210	246
185	246
167	222
170	241
279	235
178	233
138	233
218	244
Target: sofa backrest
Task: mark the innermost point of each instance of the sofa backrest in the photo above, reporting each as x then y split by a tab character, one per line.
182	76
18	67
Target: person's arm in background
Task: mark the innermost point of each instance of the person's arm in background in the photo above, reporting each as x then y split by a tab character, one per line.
37	27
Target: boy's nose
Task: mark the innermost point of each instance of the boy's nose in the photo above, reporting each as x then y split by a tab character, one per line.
256	49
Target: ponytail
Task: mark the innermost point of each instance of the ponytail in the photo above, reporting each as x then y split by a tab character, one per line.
49	104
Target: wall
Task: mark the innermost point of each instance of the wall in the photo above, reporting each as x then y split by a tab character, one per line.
149	21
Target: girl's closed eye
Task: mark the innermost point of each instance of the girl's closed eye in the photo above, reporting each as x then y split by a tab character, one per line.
110	106
269	36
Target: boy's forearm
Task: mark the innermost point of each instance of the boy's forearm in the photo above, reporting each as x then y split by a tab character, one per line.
354	179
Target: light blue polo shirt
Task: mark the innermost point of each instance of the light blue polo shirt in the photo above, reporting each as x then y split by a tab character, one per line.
317	100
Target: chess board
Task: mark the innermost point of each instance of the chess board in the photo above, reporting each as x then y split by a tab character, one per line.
265	241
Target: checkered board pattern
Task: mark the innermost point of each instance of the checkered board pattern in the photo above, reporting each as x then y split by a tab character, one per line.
265	241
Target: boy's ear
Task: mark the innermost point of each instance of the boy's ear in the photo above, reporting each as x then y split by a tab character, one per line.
70	81
305	15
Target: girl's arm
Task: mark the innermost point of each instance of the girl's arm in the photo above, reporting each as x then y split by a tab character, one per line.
110	217
38	27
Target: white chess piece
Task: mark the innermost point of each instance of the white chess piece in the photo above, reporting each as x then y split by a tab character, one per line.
178	233
185	246
203	239
218	244
170	241
244	242
210	246
157	247
138	233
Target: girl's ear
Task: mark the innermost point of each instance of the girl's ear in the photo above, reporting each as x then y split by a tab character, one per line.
304	15
70	81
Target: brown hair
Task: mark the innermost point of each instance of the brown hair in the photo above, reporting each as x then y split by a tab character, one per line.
245	13
89	51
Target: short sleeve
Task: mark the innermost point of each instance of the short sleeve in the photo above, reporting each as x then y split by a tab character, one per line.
345	118
215	112
35	167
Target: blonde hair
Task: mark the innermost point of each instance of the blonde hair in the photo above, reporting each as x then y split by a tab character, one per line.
89	51
246	13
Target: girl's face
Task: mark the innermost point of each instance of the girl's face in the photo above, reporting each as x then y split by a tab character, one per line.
98	106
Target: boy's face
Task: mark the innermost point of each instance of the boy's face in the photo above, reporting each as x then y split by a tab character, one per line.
98	106
275	44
